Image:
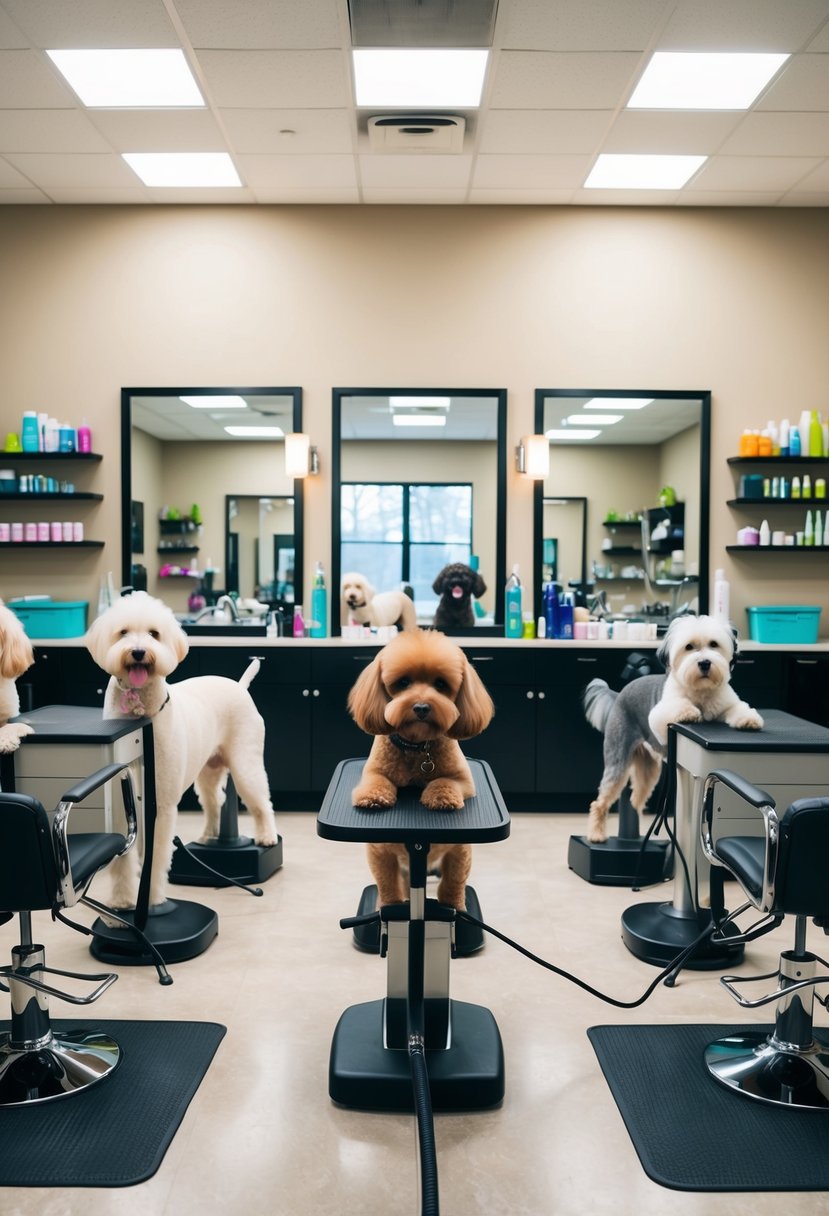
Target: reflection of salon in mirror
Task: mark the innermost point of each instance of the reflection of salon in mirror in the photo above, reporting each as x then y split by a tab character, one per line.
221	515
636	545
418	483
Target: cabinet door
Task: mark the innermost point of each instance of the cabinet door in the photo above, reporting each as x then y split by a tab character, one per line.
759	679
508	743
807	687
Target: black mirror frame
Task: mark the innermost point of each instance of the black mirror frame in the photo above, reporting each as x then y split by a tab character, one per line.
500	394
704	398
127	395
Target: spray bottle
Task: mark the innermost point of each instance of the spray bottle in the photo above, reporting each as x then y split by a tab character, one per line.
722	597
319	605
513	617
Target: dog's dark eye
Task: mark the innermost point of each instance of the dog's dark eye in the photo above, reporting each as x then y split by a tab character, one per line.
713	645
155	634
403	682
123	633
690	646
441	685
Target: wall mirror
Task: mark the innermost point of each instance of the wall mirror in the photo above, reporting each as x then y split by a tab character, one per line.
190	453
641	459
419	482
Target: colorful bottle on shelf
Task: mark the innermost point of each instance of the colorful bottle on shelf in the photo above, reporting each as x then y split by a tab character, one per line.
84	437
722	597
319	605
299	623
512	606
29	437
784	437
794	441
815	435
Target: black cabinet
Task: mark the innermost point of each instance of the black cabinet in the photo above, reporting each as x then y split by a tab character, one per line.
807	687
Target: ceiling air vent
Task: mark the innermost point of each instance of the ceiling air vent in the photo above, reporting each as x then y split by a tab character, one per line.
415	133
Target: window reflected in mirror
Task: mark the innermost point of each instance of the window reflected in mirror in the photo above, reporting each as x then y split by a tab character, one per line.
641	461
418	484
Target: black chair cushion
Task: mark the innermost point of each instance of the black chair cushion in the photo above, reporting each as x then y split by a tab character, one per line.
90	851
745	857
802	877
28	876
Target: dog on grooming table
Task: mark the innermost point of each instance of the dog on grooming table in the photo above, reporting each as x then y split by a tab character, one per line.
418	697
698	655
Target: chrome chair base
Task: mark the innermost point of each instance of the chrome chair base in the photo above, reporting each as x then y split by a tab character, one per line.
64	1065
756	1065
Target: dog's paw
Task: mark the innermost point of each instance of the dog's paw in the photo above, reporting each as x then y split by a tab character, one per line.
266	840
374	800
689	714
442	796
596	827
749	719
452	896
11	734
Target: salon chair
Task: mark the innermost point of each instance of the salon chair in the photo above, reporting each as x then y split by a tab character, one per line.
780	864
44	868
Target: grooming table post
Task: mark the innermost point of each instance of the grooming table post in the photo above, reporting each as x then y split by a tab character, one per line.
230	855
626	859
789	758
369	1066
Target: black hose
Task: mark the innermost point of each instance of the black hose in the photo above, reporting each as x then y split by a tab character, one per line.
429	1200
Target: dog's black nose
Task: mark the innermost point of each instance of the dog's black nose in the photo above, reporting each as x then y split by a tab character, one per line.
421	710
704	666
138	655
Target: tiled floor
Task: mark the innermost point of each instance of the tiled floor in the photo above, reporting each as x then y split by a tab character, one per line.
261	1134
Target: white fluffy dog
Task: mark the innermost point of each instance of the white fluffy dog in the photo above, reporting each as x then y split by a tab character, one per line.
203	728
16	656
698	654
362	605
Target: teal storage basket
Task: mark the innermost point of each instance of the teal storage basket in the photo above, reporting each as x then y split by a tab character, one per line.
51	618
791	624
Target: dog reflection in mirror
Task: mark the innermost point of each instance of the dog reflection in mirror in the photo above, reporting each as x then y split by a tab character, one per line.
698	655
418	697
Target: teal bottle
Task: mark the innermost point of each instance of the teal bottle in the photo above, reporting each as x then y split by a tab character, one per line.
319	605
513	623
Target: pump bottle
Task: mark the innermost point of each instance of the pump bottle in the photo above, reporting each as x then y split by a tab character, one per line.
512	606
722	597
319	605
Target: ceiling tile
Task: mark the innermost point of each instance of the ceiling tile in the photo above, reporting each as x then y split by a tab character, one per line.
311	195
559	172
27	83
250	24
73	171
532	80
513	197
544	131
751	173
816	180
285	79
61	24
297	171
425	197
730	198
177	194
10	34
787	134
820	42
795	199
48	131
579	25
742	25
659	131
320	131
419	171
18	198
626	198
10	178
160	130
92	194
802	85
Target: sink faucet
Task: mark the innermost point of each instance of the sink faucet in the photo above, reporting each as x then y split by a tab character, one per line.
224	602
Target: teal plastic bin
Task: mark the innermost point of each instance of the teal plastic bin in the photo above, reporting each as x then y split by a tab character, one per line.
784	623
51	618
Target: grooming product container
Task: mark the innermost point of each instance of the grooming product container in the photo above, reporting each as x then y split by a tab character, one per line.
319	605
29	437
785	624
513	617
722	597
51	618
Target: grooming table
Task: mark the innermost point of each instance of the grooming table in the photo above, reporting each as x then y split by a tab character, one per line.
789	758
627	859
369	1065
227	859
72	741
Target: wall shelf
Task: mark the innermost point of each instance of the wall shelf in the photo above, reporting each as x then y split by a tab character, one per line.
802	549
766	460
12	457
50	496
52	544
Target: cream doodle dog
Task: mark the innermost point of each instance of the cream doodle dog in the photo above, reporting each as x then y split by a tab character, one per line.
418	697
16	657
203	729
698	654
362	605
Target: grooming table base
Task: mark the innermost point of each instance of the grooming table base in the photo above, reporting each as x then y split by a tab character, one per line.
618	862
179	930
244	861
469	939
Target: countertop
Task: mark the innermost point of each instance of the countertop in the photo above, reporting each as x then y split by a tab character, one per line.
260	643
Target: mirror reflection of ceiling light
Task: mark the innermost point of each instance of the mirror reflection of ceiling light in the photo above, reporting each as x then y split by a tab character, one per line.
594	419
411	403
694	80
215	402
422	76
617	403
572	433
129	78
255	432
184	169
620	171
419	419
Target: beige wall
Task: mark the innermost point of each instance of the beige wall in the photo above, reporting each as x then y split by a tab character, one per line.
730	300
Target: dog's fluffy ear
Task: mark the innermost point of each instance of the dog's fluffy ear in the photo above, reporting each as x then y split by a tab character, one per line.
479	586
16	654
96	641
367	700
474	705
439	585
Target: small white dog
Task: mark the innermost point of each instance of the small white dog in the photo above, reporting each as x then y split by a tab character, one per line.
203	728
698	655
16	656
362	605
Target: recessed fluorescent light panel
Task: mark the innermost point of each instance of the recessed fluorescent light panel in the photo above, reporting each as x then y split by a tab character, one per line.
256	432
419	419
691	80
215	402
411	403
201	169
618	171
571	433
594	419
403	76
129	78
617	403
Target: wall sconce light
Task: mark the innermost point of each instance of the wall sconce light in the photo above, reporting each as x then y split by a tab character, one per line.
301	458
532	457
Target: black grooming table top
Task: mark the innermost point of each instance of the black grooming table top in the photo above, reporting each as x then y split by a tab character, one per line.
781	732
484	817
76	724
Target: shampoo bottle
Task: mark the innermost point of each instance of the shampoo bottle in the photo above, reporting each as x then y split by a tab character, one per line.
722	597
319	605
299	623
551	610
784	437
84	437
512	606
815	435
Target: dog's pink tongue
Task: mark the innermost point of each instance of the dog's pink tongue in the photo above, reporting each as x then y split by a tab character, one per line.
138	676
457	592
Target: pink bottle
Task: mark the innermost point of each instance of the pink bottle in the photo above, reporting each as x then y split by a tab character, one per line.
84	437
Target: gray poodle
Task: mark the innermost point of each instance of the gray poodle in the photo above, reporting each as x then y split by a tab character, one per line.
456	584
